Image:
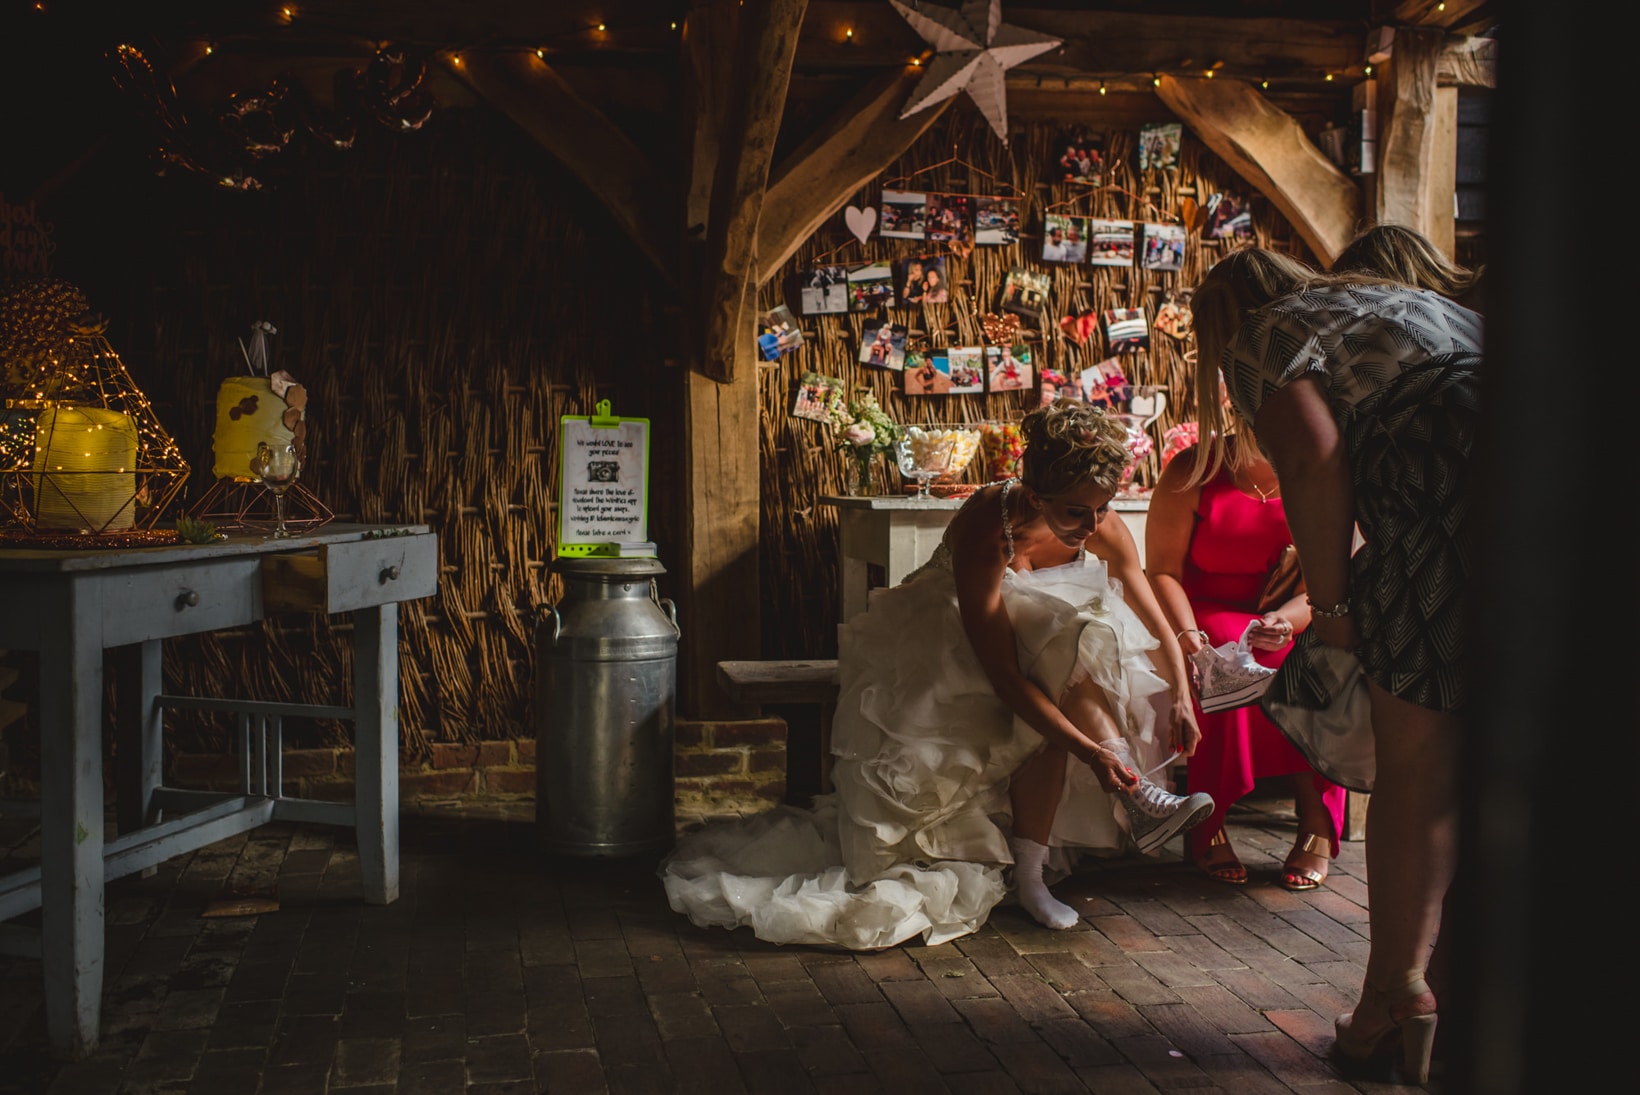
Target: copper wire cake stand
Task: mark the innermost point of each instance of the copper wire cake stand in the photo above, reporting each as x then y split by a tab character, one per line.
244	504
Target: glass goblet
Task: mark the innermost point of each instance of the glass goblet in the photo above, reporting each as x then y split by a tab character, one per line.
277	467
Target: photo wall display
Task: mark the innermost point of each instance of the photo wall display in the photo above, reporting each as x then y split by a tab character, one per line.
965	370
1126	330
823	290
1164	247
870	287
883	345
983	220
813	395
921	279
777	333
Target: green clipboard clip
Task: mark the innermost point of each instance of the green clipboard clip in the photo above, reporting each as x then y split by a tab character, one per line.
601	416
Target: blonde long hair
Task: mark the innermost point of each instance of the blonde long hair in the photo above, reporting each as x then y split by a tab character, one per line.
1238	285
1405	255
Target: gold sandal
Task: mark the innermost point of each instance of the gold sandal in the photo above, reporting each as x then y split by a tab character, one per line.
1299	879
1222	866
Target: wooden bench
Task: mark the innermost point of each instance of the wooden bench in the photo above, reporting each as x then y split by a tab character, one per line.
788	683
814	682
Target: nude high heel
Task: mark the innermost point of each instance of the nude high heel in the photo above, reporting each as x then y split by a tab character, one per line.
1364	1040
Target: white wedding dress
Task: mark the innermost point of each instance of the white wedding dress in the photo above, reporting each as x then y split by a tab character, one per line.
914	839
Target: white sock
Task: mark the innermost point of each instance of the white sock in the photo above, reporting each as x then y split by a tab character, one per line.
1029	856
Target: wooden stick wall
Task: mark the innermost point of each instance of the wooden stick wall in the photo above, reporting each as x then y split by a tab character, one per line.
800	463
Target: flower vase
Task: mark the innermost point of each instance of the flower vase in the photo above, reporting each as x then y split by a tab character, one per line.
858	473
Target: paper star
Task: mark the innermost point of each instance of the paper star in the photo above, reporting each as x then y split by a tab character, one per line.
974	49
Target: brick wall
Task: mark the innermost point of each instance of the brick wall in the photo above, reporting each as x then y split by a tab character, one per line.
719	768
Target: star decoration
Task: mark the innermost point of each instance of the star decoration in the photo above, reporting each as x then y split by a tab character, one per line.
974	50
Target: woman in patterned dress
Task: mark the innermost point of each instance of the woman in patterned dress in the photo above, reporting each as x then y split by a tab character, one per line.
1365	393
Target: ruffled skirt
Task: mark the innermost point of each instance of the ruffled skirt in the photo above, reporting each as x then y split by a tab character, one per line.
914	839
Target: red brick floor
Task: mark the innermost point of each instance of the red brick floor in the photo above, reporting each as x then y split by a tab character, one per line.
502	970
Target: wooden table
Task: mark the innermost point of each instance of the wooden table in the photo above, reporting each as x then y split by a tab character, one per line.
71	605
895	534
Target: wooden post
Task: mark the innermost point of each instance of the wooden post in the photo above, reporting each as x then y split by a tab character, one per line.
1408	150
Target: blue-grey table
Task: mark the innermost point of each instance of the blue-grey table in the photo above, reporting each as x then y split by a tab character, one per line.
72	605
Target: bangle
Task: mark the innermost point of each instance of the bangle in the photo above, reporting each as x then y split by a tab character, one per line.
1330	612
1191	630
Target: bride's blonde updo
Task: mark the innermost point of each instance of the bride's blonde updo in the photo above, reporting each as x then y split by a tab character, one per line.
1069	443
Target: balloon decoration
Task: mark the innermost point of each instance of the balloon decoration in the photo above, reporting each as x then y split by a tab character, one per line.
238	145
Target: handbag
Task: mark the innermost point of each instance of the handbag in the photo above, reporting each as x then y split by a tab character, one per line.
1285	582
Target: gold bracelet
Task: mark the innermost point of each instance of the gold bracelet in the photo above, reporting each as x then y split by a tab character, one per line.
1330	612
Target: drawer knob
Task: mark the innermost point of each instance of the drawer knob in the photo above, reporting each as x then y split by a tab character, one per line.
389	574
187	599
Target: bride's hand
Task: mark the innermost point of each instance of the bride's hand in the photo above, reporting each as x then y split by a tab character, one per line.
1114	776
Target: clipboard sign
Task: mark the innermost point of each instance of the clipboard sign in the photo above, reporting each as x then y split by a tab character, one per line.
603	485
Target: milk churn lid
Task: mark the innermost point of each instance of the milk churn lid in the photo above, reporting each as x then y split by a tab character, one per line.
590	567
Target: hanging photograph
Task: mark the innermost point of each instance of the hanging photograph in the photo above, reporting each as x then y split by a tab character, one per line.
1111	242
1055	384
947	217
1106	384
931	375
1159	146
996	221
777	333
904	215
1125	330
1164	247
1064	239
1173	317
967	365
883	345
1008	368
870	287
1227	219
1078	157
813	393
1025	292
824	291
920	280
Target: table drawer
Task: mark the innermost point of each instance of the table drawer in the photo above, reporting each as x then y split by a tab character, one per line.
357	574
163	602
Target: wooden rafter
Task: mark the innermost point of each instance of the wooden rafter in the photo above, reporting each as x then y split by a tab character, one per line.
1407	128
851	148
612	167
1269	150
752	112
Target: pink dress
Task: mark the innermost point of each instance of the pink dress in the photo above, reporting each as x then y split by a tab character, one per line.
1236	541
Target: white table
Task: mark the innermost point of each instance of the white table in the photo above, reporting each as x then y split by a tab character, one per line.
898	533
71	605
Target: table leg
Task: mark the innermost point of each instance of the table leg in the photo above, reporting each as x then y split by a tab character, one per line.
376	749
71	828
141	723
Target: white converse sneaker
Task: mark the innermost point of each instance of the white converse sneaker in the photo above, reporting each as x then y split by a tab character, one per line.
1227	676
1155	816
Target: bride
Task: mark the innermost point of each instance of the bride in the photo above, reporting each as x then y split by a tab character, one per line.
1001	712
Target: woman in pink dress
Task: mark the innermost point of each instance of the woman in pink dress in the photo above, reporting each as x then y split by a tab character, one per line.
1209	550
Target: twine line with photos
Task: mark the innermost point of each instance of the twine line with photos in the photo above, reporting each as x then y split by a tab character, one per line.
1075	199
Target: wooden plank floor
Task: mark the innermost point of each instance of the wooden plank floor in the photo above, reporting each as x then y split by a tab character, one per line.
503	970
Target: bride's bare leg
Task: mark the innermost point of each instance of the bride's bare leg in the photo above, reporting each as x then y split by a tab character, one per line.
1034	793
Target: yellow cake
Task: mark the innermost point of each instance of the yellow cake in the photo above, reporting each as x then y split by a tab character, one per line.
89	457
247	413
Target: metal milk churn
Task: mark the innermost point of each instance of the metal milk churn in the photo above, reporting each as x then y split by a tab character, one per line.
606	684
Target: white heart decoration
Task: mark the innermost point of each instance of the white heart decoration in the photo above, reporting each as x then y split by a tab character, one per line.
860	221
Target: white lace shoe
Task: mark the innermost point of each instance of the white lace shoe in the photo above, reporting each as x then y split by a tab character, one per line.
1156	816
1223	683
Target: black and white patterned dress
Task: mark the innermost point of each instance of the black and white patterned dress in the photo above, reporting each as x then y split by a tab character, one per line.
1401	369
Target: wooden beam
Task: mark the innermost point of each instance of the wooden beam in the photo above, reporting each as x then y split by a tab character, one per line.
1099	42
1468	62
1269	150
756	102
719	592
1447	14
850	149
1407	129
581	137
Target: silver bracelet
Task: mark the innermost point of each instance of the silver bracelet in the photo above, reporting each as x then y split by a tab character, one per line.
1330	612
1181	634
